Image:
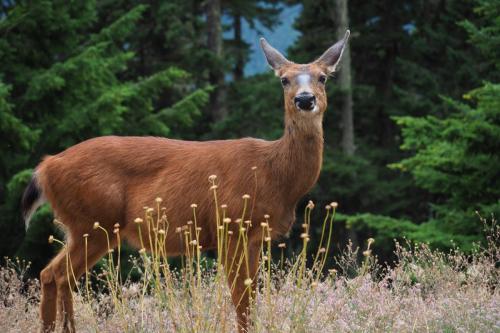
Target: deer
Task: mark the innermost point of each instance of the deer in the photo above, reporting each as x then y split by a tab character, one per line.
110	179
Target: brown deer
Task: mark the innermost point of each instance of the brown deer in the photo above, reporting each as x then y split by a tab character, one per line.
110	179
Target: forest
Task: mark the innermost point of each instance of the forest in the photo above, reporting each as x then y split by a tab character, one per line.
412	132
411	135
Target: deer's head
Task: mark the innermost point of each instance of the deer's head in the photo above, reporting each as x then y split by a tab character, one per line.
304	85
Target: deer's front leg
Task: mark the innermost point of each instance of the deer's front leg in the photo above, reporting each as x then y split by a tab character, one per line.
241	273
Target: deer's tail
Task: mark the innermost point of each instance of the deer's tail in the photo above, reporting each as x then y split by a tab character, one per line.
32	199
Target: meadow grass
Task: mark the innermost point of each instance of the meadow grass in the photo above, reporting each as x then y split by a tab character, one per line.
424	291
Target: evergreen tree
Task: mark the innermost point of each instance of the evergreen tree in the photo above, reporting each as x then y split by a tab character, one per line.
64	81
453	145
405	55
264	12
456	157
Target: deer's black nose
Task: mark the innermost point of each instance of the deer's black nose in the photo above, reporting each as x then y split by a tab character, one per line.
305	101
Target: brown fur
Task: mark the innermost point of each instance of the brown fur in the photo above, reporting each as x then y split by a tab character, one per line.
110	179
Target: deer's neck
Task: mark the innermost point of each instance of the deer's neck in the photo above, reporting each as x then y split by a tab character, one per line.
298	156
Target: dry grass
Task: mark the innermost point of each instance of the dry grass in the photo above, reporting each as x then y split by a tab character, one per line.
426	291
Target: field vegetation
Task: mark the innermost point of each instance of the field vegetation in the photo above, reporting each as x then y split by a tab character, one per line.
424	290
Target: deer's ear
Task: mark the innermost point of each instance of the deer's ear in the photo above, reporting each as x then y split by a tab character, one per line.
331	57
274	58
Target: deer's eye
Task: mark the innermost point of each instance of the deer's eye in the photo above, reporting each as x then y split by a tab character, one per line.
322	79
285	81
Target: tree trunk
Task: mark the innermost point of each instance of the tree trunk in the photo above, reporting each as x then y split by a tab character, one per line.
240	62
214	44
341	16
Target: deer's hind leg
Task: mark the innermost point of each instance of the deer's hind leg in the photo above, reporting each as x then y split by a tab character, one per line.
48	302
60	276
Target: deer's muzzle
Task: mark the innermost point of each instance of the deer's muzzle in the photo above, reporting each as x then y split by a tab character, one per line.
305	101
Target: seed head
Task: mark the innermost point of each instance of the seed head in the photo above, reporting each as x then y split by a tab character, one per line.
211	178
138	220
237	220
96	225
221	227
266	216
193	242
116	225
213	187
247	222
322	250
371	241
304	225
243	229
227	220
229	232
254	168
367	253
189	222
332	271
223	206
304	235
142	251
265	258
248	282
178	230
161	232
310	204
282	245
246	196
85	235
198	228
116	230
51	239
264	224
150	210
328	207
334	204
194	205
267	239
110	251
158	200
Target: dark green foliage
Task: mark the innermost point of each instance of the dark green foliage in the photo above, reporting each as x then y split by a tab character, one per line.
404	61
236	49
425	89
457	159
15	135
256	106
66	78
485	35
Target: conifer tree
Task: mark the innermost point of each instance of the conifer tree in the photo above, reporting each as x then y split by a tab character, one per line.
65	80
456	156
